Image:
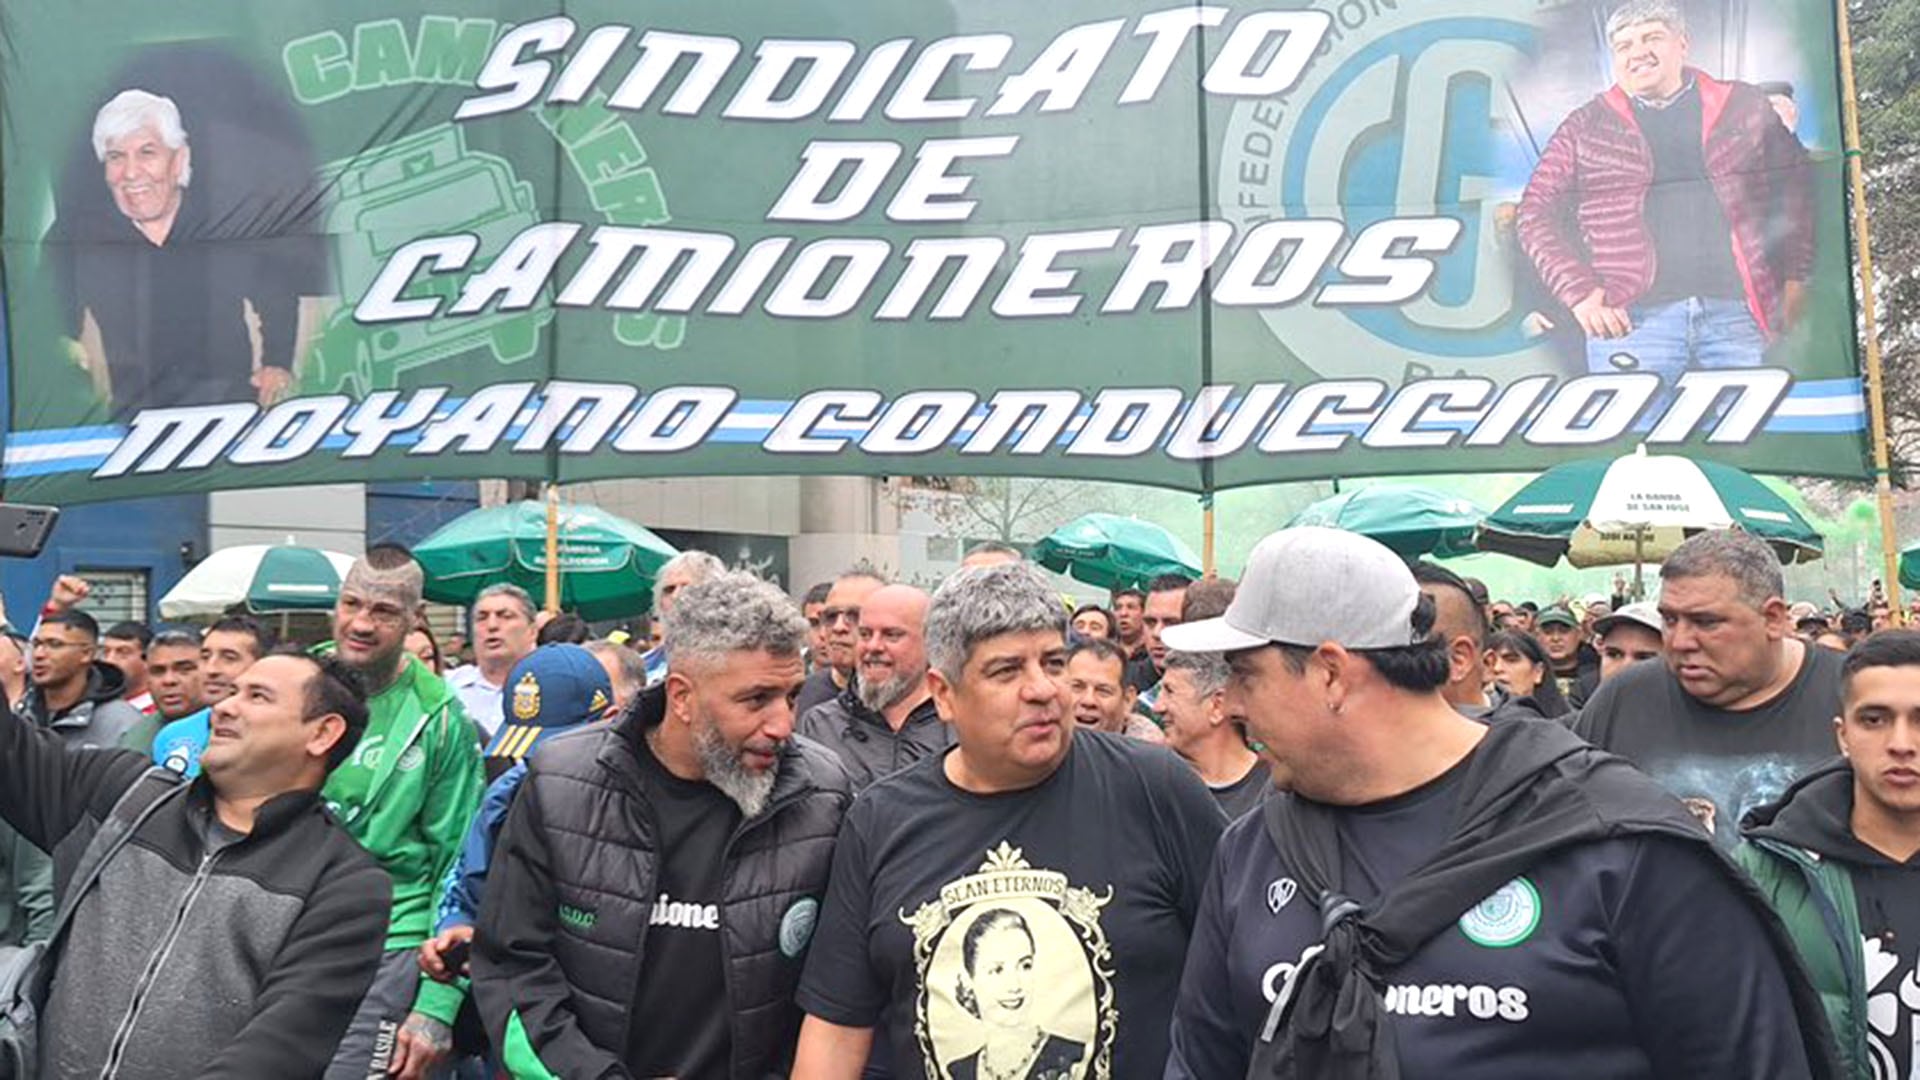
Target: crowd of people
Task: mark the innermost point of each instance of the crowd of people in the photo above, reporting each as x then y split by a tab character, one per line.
1347	817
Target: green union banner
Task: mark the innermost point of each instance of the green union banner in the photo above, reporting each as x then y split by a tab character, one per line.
258	242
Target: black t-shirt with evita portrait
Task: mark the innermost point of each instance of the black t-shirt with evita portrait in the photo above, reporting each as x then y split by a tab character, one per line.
1035	933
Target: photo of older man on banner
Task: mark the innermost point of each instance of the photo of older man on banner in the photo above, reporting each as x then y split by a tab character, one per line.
1193	247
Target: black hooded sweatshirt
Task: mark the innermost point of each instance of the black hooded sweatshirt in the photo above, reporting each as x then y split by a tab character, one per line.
1816	815
100	718
1609	937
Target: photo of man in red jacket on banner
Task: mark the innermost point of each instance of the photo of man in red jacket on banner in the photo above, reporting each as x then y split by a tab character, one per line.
1672	214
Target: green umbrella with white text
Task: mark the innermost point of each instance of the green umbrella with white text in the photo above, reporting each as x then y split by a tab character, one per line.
265	579
1637	509
607	563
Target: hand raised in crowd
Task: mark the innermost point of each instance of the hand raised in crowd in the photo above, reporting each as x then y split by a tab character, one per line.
1599	320
443	956
420	1046
68	591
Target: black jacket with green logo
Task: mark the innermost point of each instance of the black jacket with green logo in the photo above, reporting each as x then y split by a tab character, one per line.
1623	944
563	929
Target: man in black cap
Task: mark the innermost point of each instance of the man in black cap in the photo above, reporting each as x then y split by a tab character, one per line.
1428	895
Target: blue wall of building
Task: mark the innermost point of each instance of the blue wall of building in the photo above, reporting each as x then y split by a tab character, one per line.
407	513
133	534
146	535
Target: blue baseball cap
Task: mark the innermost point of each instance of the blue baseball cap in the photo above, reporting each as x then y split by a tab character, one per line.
555	688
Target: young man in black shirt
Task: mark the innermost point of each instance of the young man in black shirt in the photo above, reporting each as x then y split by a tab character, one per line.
1628	635
1128	606
1839	857
1460	624
1017	906
1165	603
1452	897
1741	707
658	878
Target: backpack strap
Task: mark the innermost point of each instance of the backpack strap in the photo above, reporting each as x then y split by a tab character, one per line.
130	811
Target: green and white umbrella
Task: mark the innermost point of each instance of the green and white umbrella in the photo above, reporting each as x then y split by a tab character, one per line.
1910	567
1637	509
1411	520
266	579
607	563
1108	551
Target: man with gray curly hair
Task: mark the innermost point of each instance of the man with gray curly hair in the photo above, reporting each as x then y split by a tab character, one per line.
683	570
658	877
1101	844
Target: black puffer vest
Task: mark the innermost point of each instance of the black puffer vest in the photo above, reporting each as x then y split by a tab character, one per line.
600	837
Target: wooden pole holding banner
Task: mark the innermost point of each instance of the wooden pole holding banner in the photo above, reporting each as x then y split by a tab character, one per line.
1206	535
1639	562
553	549
1876	385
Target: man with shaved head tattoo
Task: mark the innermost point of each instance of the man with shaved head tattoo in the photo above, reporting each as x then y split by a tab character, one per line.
406	793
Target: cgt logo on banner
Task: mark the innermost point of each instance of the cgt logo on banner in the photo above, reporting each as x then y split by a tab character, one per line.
1191	246
1401	110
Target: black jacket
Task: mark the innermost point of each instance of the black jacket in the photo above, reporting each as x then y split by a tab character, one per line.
865	744
194	955
1531	789
558	994
816	691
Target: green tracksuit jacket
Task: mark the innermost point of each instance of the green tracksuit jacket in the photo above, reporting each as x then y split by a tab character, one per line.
407	794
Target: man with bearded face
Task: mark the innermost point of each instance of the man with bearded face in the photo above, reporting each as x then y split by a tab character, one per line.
837	667
406	794
886	720
655	884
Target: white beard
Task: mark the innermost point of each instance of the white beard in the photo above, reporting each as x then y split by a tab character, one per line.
882	696
749	789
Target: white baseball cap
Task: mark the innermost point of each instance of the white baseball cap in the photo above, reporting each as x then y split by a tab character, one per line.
1645	613
1309	585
